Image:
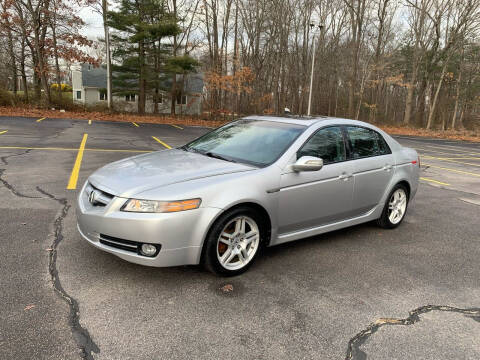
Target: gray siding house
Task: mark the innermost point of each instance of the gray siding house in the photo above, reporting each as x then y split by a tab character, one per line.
89	84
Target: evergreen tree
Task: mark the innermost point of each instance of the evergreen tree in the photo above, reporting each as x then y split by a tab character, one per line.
139	47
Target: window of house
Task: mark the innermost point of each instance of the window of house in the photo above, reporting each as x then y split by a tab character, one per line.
160	98
327	144
130	97
103	96
79	95
181	99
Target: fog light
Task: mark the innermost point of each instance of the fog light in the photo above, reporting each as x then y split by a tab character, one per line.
148	250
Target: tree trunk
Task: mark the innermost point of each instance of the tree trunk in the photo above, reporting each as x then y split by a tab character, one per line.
141	79
42	71
457	99
40	26
55	53
108	55
13	61
435	98
24	74
408	102
421	103
235	56
173	91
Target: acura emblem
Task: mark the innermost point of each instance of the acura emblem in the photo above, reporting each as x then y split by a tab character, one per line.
93	197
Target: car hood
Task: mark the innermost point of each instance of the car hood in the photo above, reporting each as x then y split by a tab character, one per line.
131	176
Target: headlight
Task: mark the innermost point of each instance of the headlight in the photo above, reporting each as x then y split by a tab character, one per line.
153	206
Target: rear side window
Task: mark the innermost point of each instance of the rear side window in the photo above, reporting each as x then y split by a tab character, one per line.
327	144
366	142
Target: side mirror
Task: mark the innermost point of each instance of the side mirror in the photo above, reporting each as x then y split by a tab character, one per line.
308	163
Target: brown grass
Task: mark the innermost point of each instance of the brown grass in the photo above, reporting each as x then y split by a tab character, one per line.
105	116
468	135
205	121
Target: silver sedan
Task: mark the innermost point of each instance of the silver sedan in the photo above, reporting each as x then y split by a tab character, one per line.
256	182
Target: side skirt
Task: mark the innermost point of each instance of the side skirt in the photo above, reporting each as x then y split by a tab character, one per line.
296	235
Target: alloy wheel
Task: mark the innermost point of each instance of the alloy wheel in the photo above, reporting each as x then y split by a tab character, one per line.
238	243
397	206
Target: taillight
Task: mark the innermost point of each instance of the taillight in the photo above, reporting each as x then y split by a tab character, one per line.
416	161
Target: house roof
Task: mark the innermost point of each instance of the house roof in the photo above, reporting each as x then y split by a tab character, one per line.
97	77
94	76
193	83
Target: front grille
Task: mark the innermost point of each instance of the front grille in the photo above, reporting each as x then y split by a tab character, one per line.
97	197
127	245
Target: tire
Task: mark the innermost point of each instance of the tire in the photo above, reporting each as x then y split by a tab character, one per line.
228	250
397	202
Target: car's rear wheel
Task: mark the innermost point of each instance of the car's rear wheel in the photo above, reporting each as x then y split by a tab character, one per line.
395	208
233	242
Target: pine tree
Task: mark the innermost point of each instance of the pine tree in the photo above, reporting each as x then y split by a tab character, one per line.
139	46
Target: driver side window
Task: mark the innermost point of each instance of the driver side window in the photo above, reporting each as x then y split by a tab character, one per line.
327	144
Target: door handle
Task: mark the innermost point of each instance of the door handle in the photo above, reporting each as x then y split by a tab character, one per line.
345	177
387	167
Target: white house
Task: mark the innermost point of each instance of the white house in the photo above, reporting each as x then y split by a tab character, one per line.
89	88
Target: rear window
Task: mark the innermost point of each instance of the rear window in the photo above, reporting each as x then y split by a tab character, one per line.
366	142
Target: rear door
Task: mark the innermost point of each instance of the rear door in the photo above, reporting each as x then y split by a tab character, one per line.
312	198
373	164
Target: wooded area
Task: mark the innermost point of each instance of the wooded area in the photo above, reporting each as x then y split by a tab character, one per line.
398	62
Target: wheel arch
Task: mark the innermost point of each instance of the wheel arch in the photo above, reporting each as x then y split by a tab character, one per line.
267	221
406	184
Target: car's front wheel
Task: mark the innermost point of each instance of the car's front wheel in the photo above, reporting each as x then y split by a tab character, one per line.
233	242
395	208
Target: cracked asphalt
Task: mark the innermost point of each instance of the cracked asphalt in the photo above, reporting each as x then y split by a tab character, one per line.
358	293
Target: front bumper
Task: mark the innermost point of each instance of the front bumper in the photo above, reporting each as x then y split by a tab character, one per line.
180	235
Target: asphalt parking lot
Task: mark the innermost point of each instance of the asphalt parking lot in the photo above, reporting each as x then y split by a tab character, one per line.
358	293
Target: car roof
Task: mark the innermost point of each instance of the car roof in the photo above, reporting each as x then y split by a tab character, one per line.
308	120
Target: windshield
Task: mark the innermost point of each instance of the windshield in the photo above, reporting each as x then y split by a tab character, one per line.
255	142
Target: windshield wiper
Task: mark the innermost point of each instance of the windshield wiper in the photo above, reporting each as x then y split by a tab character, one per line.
216	156
190	149
209	153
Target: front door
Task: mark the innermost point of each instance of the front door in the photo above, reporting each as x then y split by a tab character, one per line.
313	198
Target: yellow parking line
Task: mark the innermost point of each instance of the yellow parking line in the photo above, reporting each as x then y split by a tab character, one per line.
41	119
72	183
434	181
461	158
72	149
451	153
176	126
453	170
3	132
451	150
449	160
134	123
89	122
161	142
34	148
120	150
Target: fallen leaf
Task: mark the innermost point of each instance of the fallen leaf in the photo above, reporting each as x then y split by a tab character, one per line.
227	288
28	307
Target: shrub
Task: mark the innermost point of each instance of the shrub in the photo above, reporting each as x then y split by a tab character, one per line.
63	87
98	107
65	102
6	98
